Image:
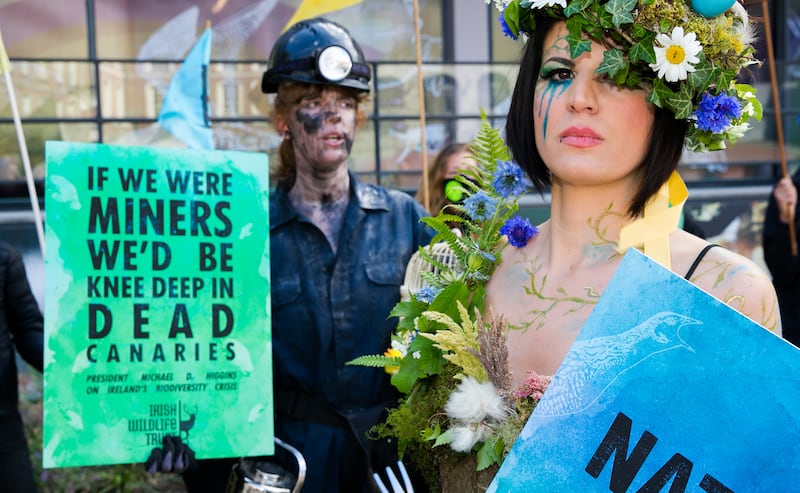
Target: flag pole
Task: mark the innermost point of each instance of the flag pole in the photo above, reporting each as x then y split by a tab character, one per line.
776	103
23	148
426	201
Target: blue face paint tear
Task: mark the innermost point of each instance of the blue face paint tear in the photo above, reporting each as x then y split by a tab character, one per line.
551	90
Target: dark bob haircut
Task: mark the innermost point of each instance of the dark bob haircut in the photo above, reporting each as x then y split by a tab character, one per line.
663	152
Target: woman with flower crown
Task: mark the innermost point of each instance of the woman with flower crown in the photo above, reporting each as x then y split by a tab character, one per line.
603	121
609	92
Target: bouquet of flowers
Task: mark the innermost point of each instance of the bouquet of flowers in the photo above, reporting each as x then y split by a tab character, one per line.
448	357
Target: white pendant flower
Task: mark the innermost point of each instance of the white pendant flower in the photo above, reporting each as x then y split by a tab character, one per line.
538	4
736	132
676	55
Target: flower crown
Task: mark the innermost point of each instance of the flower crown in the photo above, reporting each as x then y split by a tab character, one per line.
686	56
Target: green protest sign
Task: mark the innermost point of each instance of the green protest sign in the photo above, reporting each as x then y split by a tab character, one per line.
157	297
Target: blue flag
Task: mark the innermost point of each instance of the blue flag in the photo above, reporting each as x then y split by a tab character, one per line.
185	109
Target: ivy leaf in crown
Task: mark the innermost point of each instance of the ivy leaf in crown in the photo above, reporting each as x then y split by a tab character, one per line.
680	55
621	11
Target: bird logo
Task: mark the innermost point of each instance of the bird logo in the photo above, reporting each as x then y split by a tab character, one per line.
593	365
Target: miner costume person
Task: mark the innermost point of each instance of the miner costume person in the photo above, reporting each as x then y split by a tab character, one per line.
339	250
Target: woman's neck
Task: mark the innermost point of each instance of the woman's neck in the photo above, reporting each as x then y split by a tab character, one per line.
584	226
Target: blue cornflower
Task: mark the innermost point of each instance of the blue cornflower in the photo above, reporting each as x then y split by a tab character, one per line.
480	206
714	113
426	294
509	180
504	27
519	231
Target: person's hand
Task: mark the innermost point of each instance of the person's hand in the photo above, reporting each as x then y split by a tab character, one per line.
173	456
391	478
786	197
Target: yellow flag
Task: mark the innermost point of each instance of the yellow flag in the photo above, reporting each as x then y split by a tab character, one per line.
315	8
5	64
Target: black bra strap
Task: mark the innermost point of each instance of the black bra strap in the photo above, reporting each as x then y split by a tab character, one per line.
698	259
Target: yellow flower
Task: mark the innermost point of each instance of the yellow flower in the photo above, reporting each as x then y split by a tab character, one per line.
396	355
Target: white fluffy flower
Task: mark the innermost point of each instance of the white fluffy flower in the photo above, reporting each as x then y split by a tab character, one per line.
538	4
473	402
676	55
746	30
465	437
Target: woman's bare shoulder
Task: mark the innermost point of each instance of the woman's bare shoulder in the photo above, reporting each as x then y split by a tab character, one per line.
735	280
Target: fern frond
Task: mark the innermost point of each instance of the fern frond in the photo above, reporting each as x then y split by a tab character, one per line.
374	360
488	146
440	280
448	218
438	224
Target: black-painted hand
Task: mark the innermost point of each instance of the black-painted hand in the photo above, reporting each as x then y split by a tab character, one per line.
173	456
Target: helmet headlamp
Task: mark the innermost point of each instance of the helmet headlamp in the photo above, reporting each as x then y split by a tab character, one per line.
316	51
334	63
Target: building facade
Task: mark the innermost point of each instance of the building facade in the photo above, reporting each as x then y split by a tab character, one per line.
97	70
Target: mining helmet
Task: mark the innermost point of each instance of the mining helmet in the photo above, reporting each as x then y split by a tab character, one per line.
316	51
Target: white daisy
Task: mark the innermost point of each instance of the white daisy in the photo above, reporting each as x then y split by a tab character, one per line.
538	4
676	55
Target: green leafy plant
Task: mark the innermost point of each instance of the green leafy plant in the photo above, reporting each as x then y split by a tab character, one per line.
445	356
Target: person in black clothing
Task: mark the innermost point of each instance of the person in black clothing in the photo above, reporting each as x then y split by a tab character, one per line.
21	327
784	267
